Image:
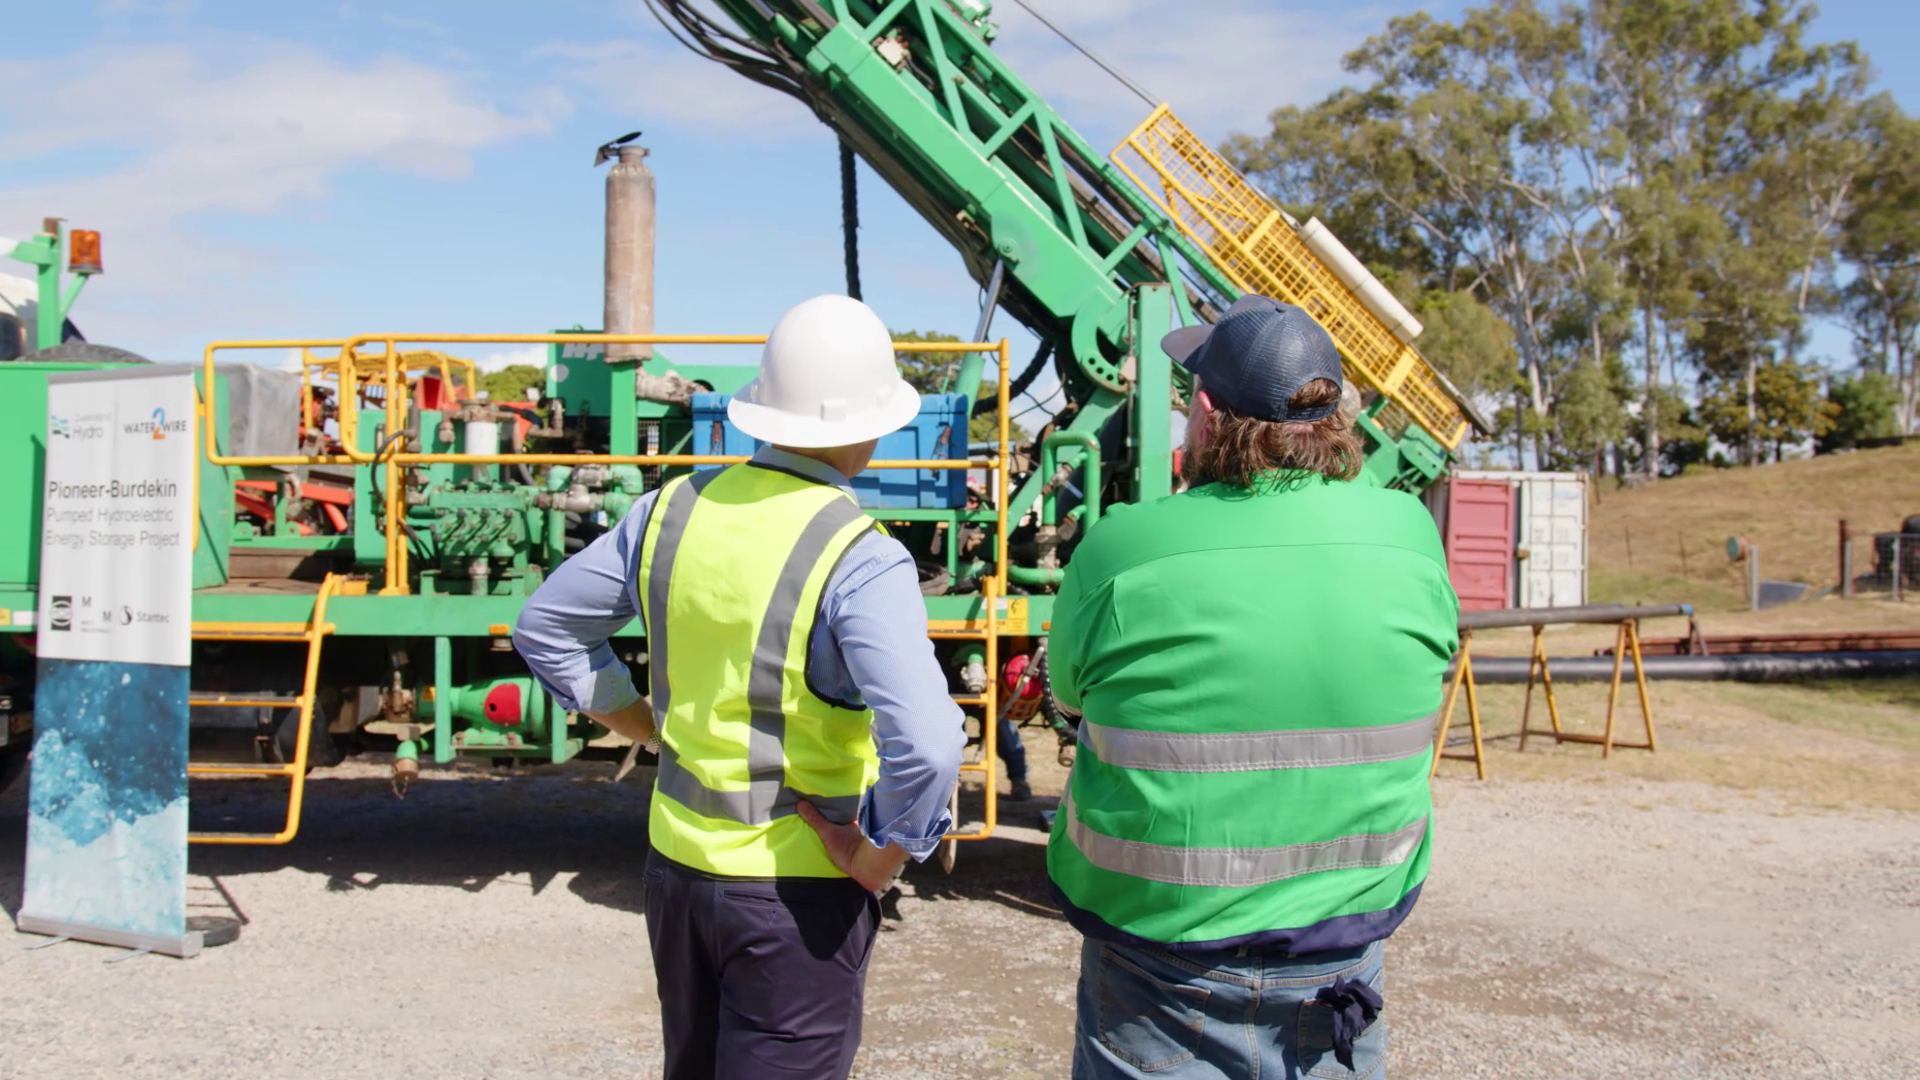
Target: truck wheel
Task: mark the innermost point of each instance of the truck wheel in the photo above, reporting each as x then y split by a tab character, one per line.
322	751
13	764
85	352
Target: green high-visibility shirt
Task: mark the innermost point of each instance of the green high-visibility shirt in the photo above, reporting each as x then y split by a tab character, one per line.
1258	675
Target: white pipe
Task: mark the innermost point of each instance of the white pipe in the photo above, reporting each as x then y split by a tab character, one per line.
1372	294
481	437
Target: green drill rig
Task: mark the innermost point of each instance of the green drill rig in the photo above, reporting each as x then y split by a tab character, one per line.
400	518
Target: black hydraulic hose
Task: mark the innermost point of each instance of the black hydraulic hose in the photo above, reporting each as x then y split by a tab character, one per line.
373	479
850	217
1734	667
1019	385
753	60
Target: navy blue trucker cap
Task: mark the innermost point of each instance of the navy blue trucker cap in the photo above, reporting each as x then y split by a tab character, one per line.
1258	356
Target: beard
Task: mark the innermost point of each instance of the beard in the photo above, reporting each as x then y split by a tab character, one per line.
1189	453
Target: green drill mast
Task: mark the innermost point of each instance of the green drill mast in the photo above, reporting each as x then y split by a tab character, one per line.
1060	237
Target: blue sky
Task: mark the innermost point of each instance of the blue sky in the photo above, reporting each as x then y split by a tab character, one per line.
282	170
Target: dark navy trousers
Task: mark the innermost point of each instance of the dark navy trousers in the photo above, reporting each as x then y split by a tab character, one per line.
758	978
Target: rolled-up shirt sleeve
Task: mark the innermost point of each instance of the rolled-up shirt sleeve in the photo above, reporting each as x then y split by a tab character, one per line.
565	628
879	621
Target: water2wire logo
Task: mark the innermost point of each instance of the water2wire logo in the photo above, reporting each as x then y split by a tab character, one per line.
159	427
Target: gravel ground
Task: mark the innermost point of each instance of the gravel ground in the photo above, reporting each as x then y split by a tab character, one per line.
488	927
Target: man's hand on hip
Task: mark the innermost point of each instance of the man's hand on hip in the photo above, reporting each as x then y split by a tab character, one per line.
635	721
848	847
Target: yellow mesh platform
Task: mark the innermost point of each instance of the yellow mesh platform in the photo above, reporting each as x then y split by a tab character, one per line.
1260	253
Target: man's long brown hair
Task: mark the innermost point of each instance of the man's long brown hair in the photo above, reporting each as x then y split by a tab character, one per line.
1240	449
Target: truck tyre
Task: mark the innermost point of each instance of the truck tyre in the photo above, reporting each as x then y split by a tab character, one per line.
13	764
323	752
85	352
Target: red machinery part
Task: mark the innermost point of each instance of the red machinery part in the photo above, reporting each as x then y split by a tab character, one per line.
1015	668
503	705
330	498
430	396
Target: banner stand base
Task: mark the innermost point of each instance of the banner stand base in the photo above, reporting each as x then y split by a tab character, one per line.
185	946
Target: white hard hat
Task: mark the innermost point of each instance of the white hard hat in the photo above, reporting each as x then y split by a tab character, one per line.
828	377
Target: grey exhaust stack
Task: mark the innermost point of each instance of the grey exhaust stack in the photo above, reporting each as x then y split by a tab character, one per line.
630	241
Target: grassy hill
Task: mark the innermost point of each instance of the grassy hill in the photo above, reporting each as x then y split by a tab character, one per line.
1636	537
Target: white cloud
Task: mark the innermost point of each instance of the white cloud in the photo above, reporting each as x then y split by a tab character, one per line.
148	7
1221	67
674	87
402	22
193	135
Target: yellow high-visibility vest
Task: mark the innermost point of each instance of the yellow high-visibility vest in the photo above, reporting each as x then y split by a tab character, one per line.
732	568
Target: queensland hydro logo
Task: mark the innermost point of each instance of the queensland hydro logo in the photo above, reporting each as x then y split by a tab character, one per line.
159	427
77	427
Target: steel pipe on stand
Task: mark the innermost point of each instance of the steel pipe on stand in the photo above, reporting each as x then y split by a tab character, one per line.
1463	675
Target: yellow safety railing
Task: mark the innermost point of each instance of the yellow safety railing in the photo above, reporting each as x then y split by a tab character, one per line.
1252	242
313	633
389	367
366	369
992	593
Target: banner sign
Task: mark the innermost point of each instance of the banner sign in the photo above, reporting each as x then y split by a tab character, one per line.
107	809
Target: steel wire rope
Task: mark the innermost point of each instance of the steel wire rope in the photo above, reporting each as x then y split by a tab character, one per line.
1151	101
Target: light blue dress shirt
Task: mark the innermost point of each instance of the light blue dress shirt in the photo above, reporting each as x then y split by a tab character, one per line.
869	646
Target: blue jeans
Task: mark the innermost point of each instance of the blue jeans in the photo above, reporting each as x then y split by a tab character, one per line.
1011	750
1220	1015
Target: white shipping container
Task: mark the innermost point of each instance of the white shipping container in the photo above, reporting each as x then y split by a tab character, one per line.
1550	554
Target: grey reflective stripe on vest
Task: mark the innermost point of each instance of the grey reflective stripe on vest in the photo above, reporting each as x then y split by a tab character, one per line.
1238	867
1236	751
673	526
767	795
686	789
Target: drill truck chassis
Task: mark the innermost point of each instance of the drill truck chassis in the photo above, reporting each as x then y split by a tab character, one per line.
371	524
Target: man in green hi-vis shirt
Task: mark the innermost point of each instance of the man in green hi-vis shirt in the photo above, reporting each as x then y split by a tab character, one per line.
1255	664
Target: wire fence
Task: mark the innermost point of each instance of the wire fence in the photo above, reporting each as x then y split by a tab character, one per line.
1882	563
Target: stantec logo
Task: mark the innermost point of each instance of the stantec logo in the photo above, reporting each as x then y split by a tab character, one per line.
157	428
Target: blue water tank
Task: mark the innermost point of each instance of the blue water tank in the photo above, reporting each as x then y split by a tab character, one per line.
938	433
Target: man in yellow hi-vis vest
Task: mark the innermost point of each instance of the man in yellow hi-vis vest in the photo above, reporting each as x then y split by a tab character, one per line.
807	739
